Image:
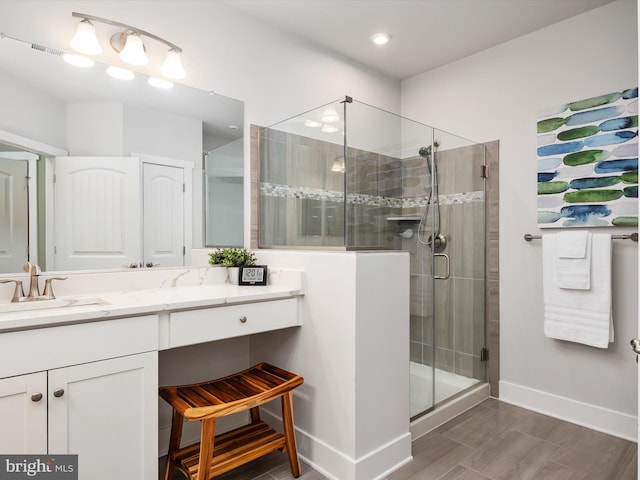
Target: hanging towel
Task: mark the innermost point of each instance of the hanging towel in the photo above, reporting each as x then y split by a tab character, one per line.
582	316
573	262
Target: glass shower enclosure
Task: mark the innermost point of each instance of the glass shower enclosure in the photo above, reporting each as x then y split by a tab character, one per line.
350	176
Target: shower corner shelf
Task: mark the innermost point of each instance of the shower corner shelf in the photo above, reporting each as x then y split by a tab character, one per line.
406	218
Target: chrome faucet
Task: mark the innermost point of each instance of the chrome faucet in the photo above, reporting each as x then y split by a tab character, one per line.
34	288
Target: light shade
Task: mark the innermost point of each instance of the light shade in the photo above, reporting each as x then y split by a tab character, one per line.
120	73
78	60
172	66
85	40
133	51
330	115
338	165
160	82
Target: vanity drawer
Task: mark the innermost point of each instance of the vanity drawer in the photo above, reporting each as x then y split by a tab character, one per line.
217	323
39	349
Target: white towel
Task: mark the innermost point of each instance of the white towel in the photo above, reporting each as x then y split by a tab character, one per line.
573	262
582	316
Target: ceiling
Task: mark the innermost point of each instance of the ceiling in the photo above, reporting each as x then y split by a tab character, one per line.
425	34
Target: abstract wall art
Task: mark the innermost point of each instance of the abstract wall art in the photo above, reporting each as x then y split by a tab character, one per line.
588	162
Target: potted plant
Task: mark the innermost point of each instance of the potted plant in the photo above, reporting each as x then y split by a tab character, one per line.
232	258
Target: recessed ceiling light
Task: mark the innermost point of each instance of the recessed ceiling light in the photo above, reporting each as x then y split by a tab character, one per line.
312	123
381	38
329	129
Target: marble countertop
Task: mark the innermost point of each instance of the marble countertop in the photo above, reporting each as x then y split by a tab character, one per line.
114	304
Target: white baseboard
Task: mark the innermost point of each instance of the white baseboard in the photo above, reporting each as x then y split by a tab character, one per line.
597	418
336	465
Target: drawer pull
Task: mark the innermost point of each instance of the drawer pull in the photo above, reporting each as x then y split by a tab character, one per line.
243	319
36	397
58	392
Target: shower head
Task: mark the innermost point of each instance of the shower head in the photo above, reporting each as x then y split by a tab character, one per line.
425	152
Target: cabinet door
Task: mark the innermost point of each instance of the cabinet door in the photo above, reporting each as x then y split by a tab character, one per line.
97	212
163	213
107	413
23	414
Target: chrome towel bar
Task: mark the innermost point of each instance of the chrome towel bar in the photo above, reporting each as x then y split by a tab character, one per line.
633	236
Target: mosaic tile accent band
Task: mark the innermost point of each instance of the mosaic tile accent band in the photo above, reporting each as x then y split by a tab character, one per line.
588	162
287	191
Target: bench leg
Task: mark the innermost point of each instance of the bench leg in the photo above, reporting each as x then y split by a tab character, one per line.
289	433
174	443
207	435
255	414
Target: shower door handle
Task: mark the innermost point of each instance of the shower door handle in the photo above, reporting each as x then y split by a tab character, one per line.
448	274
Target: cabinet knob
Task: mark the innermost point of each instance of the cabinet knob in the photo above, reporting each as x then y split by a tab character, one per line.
36	397
58	392
243	319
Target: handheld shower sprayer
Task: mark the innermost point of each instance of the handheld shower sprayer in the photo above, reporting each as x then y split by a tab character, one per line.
436	240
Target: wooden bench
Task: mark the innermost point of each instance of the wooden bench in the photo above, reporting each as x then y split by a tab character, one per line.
246	390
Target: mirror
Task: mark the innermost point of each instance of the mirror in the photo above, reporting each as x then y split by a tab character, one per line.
53	109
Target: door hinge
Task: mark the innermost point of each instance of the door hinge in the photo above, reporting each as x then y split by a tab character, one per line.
184	187
184	250
55	178
485	171
484	354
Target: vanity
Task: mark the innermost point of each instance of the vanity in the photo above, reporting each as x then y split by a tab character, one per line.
81	376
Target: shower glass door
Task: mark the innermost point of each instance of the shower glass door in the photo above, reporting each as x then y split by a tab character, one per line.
455	264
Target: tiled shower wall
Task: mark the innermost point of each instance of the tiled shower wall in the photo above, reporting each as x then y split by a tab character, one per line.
302	201
457	337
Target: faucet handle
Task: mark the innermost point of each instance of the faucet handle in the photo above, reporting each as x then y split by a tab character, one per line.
48	290
18	293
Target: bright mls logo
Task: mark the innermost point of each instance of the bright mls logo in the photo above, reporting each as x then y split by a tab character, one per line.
56	467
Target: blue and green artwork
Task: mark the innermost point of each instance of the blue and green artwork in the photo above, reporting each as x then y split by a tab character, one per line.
588	162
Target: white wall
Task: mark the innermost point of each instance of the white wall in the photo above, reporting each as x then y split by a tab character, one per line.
32	114
496	95
352	412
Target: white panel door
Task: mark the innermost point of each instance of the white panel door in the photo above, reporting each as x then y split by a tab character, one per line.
14	241
107	413
163	213
23	414
97	212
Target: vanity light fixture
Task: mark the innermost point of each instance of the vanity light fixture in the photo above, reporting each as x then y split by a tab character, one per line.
133	50
128	43
85	40
381	38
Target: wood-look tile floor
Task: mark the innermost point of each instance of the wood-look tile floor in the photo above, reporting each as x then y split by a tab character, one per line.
492	441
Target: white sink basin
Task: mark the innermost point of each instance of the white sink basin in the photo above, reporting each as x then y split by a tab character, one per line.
55	303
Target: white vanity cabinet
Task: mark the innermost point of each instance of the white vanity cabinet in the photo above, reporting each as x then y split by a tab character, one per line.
23	414
103	409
